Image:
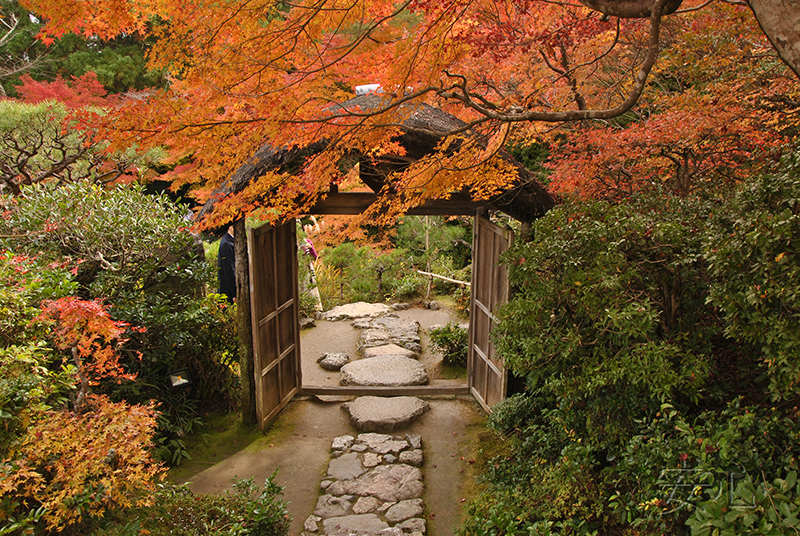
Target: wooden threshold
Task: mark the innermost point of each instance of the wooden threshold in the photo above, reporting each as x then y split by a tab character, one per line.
410	390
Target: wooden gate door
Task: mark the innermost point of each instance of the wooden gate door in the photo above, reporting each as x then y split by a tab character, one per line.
490	287
274	306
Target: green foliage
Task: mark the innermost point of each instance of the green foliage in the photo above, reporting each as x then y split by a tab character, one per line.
246	510
532	156
134	250
28	388
678	469
452	342
652	337
125	242
446	238
753	250
25	283
350	273
609	308
35	144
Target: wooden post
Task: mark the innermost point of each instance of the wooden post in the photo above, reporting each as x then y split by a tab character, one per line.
244	327
428	258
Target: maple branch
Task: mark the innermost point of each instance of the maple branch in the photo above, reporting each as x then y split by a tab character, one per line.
10	28
709	2
518	115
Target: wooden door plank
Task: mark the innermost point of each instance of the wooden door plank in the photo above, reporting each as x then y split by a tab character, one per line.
273	288
487	376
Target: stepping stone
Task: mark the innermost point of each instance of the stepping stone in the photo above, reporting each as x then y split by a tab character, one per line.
358	524
386	371
365	505
384	414
396	482
330	506
345	466
391	330
412	457
404	510
342	442
351	311
413	525
382	443
389	349
333	361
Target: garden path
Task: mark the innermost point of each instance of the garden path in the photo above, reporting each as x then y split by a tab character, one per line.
299	443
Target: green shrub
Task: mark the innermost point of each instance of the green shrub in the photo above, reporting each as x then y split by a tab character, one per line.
134	251
246	510
651	337
27	389
452	342
608	310
753	250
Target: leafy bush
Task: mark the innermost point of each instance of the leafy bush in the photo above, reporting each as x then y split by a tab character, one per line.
135	252
247	510
452	341
349	273
70	467
609	309
28	388
753	250
651	337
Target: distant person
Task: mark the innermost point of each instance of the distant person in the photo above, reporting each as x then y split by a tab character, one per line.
226	266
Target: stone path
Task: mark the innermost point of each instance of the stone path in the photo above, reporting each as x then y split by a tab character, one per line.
373	487
374	483
390	347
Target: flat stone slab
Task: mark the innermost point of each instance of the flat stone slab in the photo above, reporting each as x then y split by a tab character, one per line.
386	371
351	311
391	330
386	493
357	524
389	349
330	506
412	457
396	482
384	414
345	466
382	443
405	510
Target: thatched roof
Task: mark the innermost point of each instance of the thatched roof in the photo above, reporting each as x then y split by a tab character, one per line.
421	131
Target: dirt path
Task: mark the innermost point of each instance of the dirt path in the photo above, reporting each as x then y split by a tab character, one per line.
298	443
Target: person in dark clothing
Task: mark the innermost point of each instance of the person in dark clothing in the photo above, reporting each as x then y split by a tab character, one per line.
226	266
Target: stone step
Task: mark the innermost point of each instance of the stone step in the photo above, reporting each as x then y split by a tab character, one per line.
384	414
384	371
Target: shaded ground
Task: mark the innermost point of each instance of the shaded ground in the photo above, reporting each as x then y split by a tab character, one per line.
298	442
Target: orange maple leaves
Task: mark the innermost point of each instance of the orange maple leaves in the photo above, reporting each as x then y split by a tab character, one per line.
77	465
248	73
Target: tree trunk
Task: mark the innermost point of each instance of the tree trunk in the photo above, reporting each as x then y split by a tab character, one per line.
244	328
780	21
630	9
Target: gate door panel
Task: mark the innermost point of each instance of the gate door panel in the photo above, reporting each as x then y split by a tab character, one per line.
490	287
274	306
